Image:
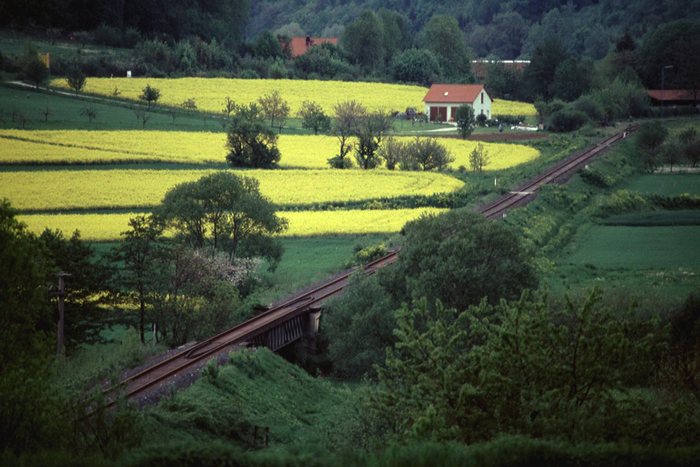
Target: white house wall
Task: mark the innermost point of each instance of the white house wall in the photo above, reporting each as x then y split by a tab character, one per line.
452	106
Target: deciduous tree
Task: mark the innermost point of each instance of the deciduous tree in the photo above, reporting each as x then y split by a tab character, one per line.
459	258
478	158
250	142
76	79
226	212
313	117
464	116
150	94
274	108
138	253
348	119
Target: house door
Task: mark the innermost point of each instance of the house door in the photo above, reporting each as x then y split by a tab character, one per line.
438	114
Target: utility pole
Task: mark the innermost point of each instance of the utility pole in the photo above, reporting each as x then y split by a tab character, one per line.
60	347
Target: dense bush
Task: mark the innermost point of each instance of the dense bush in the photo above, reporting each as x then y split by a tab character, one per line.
459	258
566	120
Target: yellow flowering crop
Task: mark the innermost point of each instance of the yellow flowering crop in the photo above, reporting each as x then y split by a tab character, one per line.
107	227
501	156
298	151
105	189
504	107
209	93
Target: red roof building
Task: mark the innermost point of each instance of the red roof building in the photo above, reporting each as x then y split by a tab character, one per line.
442	100
301	44
673	96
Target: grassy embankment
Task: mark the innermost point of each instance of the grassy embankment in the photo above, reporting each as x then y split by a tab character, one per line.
618	228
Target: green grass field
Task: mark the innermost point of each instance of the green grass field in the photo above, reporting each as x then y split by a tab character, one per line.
310	259
638	247
65	114
655	218
666	184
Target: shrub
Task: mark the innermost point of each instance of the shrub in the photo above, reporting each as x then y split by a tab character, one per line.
567	120
509	119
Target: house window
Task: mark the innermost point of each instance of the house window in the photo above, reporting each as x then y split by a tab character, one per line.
482	97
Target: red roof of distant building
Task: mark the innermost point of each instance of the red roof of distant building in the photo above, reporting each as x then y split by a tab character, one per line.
453	93
672	94
300	45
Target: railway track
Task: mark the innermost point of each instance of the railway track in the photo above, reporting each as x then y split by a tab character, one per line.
191	359
194	357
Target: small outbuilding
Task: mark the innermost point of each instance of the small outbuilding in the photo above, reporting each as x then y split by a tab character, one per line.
442	101
674	96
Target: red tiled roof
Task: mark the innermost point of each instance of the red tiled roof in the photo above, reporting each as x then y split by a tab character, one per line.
297	45
672	94
453	93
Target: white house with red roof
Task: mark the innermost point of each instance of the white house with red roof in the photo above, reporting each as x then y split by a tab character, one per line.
442	101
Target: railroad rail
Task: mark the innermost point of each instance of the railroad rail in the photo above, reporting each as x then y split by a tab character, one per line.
267	328
240	335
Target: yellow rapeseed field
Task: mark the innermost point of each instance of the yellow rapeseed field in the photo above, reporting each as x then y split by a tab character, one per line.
107	227
298	151
504	107
105	189
501	156
209	93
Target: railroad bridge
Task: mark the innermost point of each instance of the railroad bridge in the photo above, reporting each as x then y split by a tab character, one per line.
298	317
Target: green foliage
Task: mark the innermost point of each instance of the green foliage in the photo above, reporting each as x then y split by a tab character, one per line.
274	107
621	201
150	95
359	326
33	69
87	287
566	120
324	61
464	116
649	139
523	451
672	45
425	154
363	41
24	306
540	74
459	257
314	118
419	66
558	371
572	79
478	158
76	79
250	142
137	253
349	117
684	350
442	36
370	132
222	211
267	46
